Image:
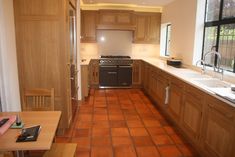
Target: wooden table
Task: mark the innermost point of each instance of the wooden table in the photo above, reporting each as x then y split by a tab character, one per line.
47	119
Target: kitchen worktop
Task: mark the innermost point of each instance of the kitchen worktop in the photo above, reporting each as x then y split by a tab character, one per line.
185	74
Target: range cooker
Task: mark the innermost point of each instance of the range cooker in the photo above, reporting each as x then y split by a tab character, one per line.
115	71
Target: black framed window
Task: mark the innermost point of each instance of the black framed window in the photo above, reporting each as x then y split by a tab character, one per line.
168	40
219	31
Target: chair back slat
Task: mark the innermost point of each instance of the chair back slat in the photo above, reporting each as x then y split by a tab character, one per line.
38	99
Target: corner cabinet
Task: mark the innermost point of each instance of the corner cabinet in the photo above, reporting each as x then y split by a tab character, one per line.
88	26
45	49
218	137
94	73
147	28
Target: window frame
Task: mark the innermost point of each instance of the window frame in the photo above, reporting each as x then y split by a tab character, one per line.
218	23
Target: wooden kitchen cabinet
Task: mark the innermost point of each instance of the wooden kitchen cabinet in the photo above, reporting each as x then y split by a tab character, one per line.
88	26
94	73
192	112
116	19
146	78
136	73
147	27
218	138
176	93
84	81
45	50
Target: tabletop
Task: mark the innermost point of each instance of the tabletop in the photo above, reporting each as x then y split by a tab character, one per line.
48	120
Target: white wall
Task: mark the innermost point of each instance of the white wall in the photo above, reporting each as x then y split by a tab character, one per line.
182	16
9	84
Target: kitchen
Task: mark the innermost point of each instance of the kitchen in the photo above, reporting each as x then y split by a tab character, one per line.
146	34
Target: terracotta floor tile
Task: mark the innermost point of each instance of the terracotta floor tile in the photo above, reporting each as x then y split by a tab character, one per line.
135	124
162	140
138	132
124	151
153	131
101	152
81	133
100	132
170	130
83	125
117	124
85	117
83	143
119	141
100	111
178	139
142	141
100	124
132	117
62	139
83	153
100	117
119	132
114	111
169	151
149	151
187	150
101	141
152	123
116	117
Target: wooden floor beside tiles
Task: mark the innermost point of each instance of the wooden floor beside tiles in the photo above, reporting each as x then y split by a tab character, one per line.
123	123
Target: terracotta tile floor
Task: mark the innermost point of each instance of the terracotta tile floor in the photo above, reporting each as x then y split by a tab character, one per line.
124	123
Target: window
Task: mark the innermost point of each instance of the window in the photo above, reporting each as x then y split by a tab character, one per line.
168	40
165	39
219	31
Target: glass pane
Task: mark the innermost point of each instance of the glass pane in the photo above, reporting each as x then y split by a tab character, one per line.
229	9
168	40
212	10
227	46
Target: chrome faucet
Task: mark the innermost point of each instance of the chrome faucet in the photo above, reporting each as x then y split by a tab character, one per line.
216	67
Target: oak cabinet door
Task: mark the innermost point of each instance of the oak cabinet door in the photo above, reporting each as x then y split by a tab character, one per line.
88	26
218	129
154	24
136	72
162	83
94	72
192	113
176	100
141	28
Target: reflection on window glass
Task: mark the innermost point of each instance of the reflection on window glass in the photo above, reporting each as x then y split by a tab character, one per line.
229	9
210	38
168	40
227	46
213	8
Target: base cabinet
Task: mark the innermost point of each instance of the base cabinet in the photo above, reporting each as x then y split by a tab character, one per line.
136	72
192	113
94	73
84	81
218	130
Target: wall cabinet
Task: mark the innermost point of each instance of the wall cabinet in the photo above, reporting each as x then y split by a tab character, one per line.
116	19
88	25
218	129
147	28
45	49
94	73
136	72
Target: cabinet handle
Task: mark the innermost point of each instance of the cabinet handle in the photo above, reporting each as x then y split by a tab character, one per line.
167	89
71	78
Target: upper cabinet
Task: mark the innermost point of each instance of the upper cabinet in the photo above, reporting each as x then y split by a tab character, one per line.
116	19
88	26
147	27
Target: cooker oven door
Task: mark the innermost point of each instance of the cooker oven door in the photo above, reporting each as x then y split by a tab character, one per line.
108	75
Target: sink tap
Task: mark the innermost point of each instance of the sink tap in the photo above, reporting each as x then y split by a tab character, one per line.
203	65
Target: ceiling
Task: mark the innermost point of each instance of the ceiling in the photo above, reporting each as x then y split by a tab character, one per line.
155	3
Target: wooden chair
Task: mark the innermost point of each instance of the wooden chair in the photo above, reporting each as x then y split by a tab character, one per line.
38	99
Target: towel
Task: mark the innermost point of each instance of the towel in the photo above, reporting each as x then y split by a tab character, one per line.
11	120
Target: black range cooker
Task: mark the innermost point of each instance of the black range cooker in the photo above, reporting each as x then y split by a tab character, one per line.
115	71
